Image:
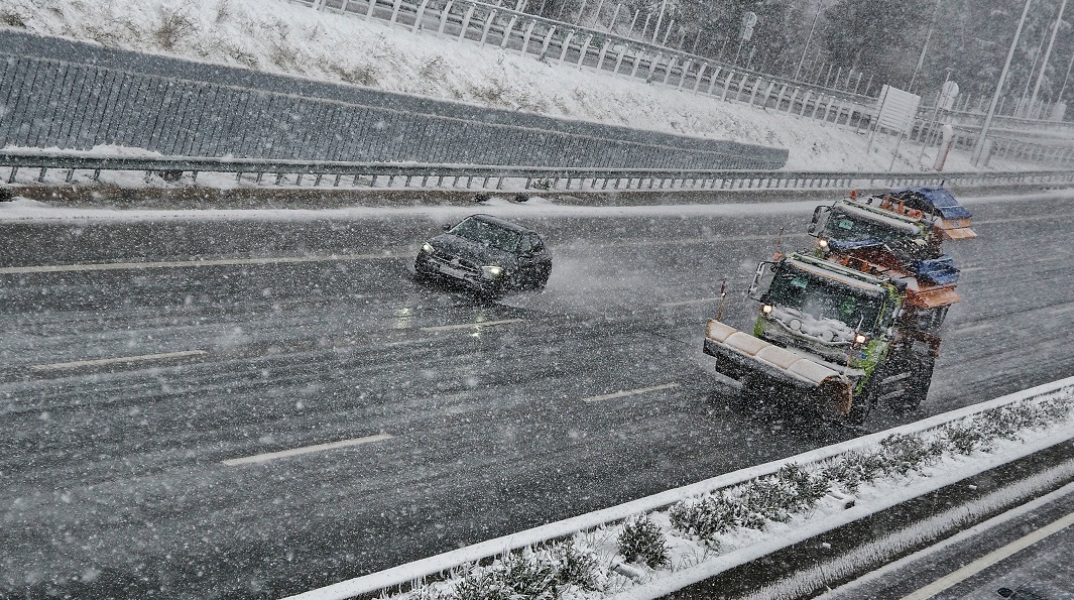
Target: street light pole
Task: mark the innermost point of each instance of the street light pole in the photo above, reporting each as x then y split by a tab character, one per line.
809	38
978	148
1048	54
928	36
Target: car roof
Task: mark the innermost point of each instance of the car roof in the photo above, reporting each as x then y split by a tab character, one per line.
501	223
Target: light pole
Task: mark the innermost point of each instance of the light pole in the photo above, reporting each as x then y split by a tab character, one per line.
1048	53
928	36
978	148
809	38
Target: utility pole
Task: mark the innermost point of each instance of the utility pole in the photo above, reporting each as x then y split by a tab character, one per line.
978	148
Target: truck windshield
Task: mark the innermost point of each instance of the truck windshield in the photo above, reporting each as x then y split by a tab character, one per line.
846	227
824	298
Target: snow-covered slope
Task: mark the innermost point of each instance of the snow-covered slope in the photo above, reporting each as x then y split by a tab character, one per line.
273	35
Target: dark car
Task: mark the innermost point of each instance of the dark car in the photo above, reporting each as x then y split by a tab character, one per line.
487	255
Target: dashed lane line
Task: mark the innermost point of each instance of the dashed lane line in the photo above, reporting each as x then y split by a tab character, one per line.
688	302
472	325
952	579
260	458
634	392
112	361
179	264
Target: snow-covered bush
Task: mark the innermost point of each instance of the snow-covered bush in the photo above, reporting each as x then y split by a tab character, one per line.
853	469
642	541
905	453
708	516
542	574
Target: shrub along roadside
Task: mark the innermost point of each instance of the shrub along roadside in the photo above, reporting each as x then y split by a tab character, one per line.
752	505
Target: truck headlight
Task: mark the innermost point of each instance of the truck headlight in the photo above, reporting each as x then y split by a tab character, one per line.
766	309
427	248
859	338
822	243
492	271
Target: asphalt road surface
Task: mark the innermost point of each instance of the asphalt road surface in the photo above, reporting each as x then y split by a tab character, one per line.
162	414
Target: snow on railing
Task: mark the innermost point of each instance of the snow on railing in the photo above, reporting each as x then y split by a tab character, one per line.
490	178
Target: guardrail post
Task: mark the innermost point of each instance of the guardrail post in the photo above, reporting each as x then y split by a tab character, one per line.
667	69
712	80
547	40
507	32
701	68
444	17
585	49
566	46
526	37
421	15
794	96
489	18
727	84
466	21
395	11
603	53
619	60
369	10
637	63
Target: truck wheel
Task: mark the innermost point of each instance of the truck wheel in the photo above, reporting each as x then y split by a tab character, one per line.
862	406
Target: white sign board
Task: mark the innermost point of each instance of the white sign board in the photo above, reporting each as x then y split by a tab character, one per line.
948	94
896	109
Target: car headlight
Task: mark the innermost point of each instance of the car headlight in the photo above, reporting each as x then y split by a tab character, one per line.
492	271
822	244
427	248
859	338
766	309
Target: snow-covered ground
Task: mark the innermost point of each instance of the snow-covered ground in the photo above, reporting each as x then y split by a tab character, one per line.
273	35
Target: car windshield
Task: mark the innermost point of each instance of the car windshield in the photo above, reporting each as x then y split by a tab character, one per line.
823	298
488	234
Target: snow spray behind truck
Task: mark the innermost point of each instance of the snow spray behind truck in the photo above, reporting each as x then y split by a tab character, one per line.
857	321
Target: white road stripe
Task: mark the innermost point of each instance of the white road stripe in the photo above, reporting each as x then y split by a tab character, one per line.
1062	310
172	264
625	393
260	458
688	302
976	327
990	559
111	361
472	325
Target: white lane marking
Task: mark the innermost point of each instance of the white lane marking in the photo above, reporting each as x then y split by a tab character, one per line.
171	264
260	458
952	579
1062	310
688	302
977	327
472	325
625	393
111	361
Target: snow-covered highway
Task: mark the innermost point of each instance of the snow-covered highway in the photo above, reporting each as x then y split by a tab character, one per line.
389	420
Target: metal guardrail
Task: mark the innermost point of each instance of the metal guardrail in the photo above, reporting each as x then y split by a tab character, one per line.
381	583
329	174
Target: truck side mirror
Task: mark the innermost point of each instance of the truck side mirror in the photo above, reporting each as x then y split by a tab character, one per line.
820	219
762	279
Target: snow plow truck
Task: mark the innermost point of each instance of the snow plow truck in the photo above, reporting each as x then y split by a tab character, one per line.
856	321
